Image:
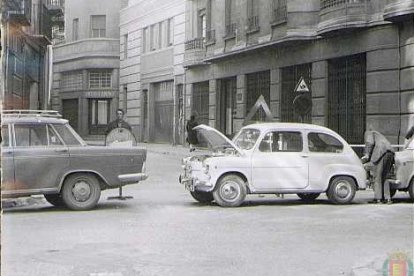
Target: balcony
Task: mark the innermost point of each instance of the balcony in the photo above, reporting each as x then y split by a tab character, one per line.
210	37
195	52
41	22
336	15
55	6
253	24
397	10
231	30
279	14
19	12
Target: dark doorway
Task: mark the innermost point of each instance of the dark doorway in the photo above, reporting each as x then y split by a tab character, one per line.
70	112
163	112
227	105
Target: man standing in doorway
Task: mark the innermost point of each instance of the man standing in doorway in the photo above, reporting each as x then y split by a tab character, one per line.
119	122
191	133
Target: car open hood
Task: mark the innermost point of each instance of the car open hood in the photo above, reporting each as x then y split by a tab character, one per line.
215	138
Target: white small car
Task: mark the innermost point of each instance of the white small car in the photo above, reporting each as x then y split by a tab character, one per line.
403	177
273	158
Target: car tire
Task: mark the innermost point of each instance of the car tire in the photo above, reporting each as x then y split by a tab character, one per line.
202	197
230	191
81	191
308	197
54	199
341	190
411	189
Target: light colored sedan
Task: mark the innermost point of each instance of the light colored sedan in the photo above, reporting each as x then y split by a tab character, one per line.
273	158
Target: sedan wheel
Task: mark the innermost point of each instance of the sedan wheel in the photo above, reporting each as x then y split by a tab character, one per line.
81	191
342	190
411	190
230	191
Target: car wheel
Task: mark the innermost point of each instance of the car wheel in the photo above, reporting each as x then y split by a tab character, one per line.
54	199
230	191
308	196
411	189
342	190
202	197
81	191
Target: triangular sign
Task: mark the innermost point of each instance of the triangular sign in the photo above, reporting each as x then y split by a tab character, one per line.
260	104
302	86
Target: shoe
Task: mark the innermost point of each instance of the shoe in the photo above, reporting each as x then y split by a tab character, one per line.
375	201
388	201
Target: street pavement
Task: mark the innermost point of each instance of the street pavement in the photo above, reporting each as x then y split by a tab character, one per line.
173	235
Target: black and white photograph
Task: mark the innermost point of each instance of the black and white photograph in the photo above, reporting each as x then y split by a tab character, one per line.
207	137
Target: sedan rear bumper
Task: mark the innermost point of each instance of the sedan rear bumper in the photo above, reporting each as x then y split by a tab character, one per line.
132	177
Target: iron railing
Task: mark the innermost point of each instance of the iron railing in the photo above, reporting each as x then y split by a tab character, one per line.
210	36
196	43
335	3
231	30
280	12
253	23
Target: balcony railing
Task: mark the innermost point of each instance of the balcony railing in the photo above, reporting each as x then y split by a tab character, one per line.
253	23
231	30
280	13
396	10
196	43
210	36
55	6
336	3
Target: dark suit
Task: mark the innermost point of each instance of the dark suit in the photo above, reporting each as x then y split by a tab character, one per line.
379	152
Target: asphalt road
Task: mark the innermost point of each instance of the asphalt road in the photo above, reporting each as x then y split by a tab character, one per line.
163	231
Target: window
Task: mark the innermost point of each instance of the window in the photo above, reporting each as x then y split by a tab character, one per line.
75	32
201	101
279	11
100	79
98	115
247	138
5	136
71	81
281	141
98	26
155	37
30	135
125	46
230	9
321	142
258	84
67	135
170	35
202	24
145	40
252	16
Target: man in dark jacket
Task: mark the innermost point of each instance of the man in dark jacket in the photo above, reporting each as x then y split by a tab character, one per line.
380	153
118	123
191	133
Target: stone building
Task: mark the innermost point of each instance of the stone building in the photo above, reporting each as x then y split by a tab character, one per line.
86	65
152	38
26	38
248	60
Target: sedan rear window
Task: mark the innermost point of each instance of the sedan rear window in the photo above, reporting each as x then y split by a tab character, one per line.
322	142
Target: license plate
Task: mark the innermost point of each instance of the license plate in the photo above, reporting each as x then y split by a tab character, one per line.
189	185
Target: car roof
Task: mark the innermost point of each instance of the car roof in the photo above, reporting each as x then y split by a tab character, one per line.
296	126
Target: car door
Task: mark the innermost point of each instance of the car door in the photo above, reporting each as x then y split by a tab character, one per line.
7	168
279	163
40	158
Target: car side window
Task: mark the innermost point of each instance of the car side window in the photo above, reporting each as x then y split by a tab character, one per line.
282	141
322	142
5	136
54	139
66	134
30	135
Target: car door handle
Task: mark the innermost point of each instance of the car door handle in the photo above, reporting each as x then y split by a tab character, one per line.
61	150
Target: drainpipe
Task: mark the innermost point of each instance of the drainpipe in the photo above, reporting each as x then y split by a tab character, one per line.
47	104
399	82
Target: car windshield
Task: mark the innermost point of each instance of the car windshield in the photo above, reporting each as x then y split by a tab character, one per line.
246	138
69	136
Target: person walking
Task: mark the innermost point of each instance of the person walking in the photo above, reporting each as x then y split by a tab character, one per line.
191	133
119	122
380	153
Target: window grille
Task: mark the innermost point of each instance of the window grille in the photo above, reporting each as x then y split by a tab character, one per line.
279	11
201	101
258	84
100	79
71	81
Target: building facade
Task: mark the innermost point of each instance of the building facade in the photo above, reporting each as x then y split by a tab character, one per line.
86	65
255	60
26	38
152	80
